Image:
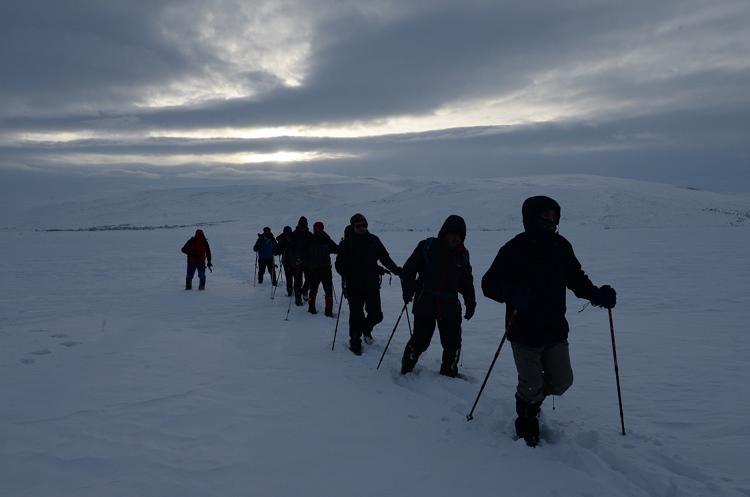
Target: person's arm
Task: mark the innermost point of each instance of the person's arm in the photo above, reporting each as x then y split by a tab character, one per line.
186	248
208	252
332	246
412	267
385	259
497	281
256	247
575	278
466	288
341	256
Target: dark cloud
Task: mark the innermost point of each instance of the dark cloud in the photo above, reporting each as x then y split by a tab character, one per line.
364	67
653	88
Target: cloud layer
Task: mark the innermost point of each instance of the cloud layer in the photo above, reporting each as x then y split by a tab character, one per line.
586	86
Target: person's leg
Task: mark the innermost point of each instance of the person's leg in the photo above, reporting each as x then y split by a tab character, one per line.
272	265
313	289
289	274
558	375
189	276
356	321
424	328
327	280
530	391
374	311
201	277
298	285
450	338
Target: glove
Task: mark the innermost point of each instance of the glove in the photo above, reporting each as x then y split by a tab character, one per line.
520	298
398	271
470	308
408	296
604	296
210	265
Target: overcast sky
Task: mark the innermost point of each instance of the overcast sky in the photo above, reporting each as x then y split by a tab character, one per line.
222	89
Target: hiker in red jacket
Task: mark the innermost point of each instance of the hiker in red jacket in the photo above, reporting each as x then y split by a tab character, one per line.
198	252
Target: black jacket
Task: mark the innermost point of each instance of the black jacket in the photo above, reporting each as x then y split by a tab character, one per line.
357	261
542	267
283	242
434	275
299	247
320	249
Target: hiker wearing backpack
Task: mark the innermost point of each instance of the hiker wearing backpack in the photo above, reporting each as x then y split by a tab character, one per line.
284	241
319	268
198	252
266	247
434	275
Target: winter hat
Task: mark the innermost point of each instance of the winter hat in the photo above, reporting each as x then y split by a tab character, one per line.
532	210
266	230
302	223
318	226
357	218
287	229
454	224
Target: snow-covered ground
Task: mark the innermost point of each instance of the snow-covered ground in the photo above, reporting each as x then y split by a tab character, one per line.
117	382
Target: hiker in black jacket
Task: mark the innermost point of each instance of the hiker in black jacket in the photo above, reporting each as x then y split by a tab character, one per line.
437	271
319	268
530	275
284	241
357	263
299	247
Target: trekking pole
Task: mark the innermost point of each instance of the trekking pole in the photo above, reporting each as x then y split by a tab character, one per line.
255	274
288	309
470	416
273	292
281	271
392	333
408	321
617	370
338	316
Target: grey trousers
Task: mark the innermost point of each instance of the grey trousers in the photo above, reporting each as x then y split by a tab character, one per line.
542	371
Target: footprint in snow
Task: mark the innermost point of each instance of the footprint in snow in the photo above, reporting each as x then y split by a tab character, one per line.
70	343
27	360
40	352
59	335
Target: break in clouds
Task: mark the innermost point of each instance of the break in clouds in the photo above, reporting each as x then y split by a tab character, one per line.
652	90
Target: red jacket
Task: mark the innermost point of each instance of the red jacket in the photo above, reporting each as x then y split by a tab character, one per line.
197	249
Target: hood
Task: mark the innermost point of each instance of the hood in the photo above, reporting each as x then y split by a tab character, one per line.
287	229
302	223
454	224
357	218
199	235
532	210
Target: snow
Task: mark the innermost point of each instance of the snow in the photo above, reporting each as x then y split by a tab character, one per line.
116	381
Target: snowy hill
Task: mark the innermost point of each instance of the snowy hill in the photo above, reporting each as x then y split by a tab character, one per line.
487	204
118	382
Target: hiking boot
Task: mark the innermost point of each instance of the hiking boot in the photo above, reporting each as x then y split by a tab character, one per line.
449	367
527	422
311	305
409	359
188	284
329	306
355	346
298	299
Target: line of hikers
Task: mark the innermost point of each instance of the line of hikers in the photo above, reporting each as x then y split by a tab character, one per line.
530	275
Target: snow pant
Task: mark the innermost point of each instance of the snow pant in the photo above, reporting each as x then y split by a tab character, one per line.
289	275
301	279
424	328
266	264
542	371
191	268
359	322
325	276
